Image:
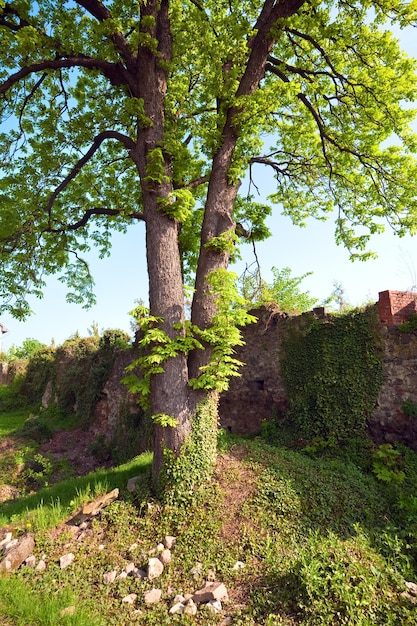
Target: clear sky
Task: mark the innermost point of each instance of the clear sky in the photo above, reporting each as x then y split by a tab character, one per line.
121	279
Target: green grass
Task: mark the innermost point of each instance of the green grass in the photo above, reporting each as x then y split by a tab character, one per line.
12	422
50	505
323	543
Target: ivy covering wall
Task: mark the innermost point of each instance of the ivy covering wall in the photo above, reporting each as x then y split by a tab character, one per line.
332	371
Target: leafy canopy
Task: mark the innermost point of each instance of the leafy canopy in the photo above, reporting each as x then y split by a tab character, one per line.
330	120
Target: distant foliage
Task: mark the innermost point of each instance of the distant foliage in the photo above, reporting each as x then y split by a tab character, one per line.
284	291
77	371
26	351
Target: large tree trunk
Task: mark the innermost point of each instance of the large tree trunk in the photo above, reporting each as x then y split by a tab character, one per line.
169	390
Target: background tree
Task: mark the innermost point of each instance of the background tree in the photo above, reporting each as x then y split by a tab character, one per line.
119	111
284	291
27	350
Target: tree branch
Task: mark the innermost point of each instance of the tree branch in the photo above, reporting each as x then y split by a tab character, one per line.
101	13
98	140
115	72
95	211
10	11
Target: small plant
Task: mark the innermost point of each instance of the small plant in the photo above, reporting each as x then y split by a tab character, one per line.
38	471
36	428
100	449
388	464
409	325
409	407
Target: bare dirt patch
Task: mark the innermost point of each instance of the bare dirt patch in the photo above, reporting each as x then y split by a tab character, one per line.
75	447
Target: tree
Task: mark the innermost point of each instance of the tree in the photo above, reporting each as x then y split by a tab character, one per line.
28	348
284	291
154	110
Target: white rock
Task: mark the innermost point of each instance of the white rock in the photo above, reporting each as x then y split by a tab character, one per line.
69	610
130	599
41	566
155	568
238	565
169	542
165	556
7	539
152	596
110	577
131	484
10	544
179	598
190	608
30	561
214	605
178	607
66	560
412	588
130	567
160	547
122	575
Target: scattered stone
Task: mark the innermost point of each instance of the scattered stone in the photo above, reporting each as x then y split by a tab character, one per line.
110	577
30	561
69	610
10	544
130	599
178	607
152	596
122	575
214	605
169	542
179	598
7	539
412	588
72	529
196	571
66	560
155	568
101	546
93	508
139	573
211	591
15	555
190	607
41	566
165	556
238	565
130	567
160	547
131	484
409	596
211	575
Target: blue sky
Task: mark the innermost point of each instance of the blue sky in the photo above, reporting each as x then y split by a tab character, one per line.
121	279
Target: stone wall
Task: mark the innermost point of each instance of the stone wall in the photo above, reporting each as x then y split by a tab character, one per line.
259	393
389	423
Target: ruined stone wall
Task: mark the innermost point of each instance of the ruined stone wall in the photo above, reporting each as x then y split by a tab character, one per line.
259	393
389	422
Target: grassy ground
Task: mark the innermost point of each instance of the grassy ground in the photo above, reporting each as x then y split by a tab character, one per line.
323	542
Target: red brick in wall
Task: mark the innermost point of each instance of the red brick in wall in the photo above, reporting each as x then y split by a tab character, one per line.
395	307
